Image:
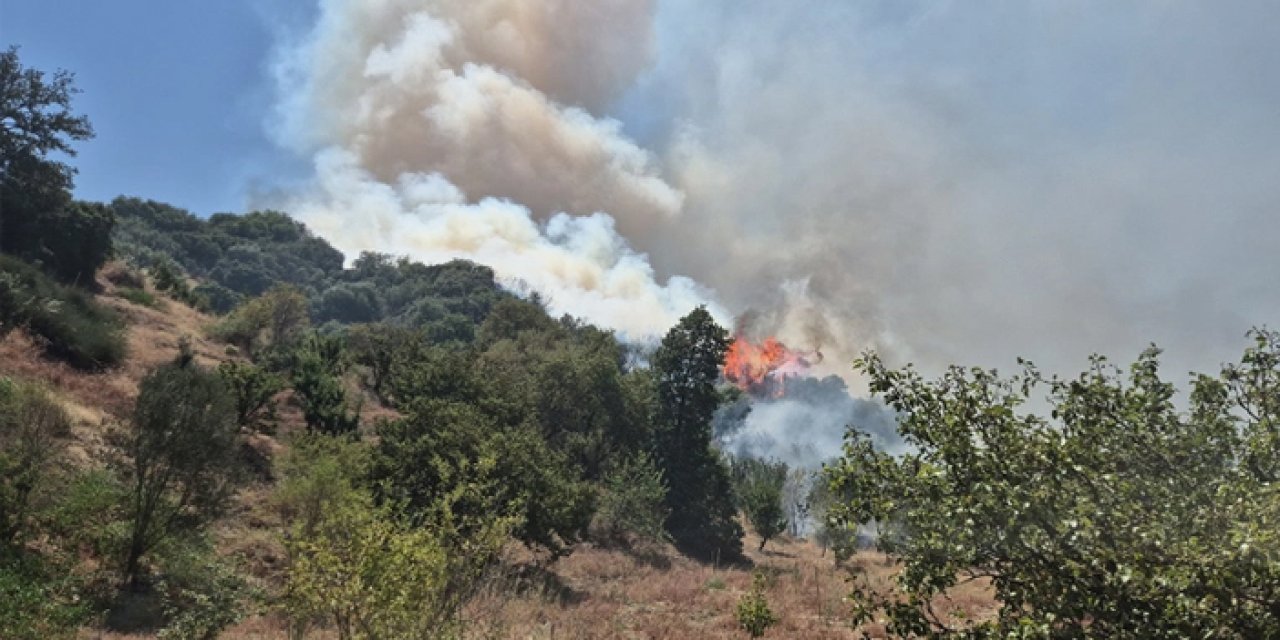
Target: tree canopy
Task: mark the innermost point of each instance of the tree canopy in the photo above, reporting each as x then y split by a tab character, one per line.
1117	514
38	220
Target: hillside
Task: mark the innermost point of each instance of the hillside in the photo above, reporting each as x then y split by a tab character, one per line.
651	591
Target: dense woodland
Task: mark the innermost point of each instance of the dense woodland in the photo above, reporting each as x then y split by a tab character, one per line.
445	417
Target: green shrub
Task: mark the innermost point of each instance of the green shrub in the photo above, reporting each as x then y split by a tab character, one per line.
753	609
30	424
139	297
71	325
253	389
183	450
633	501
361	567
96	497
37	601
758	485
202	594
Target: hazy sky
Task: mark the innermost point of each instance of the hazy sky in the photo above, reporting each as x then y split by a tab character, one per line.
944	181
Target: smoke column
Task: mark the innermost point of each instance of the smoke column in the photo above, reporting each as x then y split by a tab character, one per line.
461	128
942	181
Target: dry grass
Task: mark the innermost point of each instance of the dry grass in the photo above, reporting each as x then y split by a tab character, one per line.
603	593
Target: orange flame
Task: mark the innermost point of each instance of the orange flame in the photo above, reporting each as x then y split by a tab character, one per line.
762	368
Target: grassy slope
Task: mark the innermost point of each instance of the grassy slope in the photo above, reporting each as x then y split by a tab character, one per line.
594	593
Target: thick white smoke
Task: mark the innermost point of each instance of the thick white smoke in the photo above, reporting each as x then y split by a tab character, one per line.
446	129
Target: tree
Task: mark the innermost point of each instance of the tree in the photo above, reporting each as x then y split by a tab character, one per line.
183	451
375	347
442	444
1116	515
273	320
759	484
38	220
703	519
253	389
317	379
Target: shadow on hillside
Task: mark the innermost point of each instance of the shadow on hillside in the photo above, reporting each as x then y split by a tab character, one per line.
526	579
648	556
775	553
134	612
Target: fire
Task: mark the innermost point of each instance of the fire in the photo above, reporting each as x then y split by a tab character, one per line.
762	368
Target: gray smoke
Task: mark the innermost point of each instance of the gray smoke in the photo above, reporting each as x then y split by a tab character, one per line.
941	181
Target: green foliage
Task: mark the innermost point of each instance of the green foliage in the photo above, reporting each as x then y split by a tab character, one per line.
244	256
202	594
30	425
183	453
442	445
96	496
253	389
169	278
633	501
566	380
349	303
38	220
316	378
829	533
703	518
376	346
140	297
754	614
270	321
38	600
362	567
1117	515
758	485
70	324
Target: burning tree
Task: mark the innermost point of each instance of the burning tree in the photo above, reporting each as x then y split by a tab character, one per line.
761	368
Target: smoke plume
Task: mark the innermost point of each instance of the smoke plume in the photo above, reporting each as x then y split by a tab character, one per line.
944	182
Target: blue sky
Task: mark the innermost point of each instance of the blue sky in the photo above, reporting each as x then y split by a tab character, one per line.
177	93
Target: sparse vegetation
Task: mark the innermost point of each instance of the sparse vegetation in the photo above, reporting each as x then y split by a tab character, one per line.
69	323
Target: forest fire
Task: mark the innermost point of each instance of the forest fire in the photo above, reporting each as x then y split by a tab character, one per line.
761	368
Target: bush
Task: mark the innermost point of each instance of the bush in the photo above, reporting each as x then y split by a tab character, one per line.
30	423
754	614
71	325
632	501
38	601
202	594
361	567
140	297
253	389
317	365
272	320
758	485
183	450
